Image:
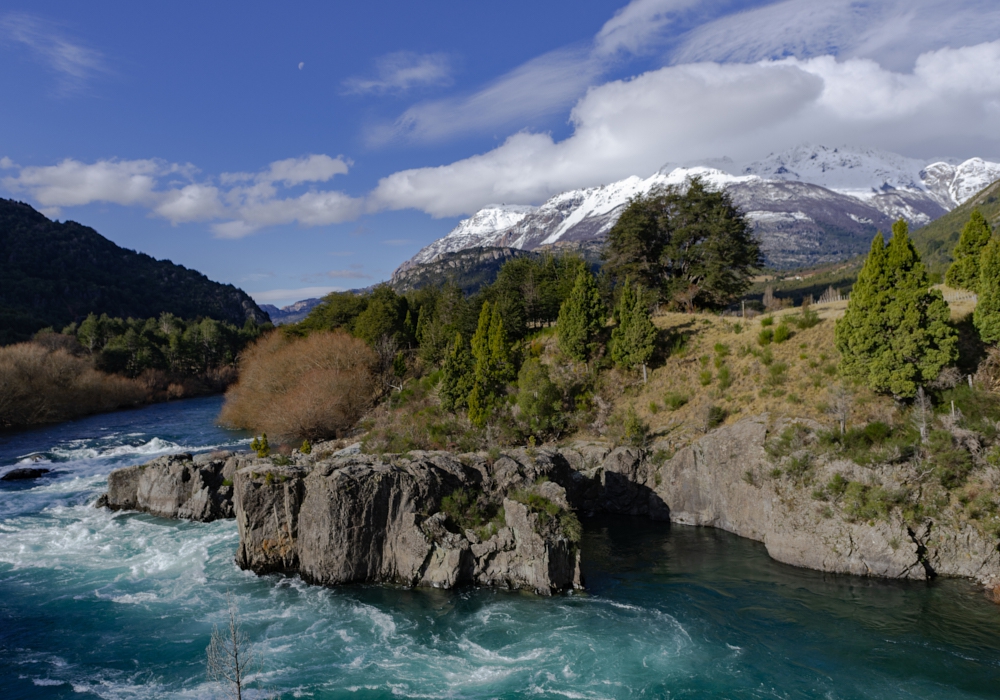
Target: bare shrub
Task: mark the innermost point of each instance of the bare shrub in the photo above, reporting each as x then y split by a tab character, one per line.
43	385
311	388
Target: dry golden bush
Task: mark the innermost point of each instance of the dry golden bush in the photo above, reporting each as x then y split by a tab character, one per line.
314	388
44	385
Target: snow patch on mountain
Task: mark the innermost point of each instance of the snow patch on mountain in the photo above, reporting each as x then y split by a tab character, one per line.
809	203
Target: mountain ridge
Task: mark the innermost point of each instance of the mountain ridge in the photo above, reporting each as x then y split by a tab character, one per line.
57	273
810	204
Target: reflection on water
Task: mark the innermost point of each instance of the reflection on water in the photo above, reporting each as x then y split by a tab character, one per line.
95	604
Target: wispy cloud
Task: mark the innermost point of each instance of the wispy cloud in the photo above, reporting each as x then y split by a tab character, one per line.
74	64
403	71
237	205
892	32
539	88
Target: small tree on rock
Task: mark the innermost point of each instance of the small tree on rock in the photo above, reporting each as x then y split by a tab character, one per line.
538	398
581	318
895	335
634	338
986	317
964	272
493	368
457	380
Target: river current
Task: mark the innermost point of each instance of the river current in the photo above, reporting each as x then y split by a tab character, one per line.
96	604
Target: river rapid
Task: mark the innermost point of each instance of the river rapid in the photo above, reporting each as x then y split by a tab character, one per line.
95	604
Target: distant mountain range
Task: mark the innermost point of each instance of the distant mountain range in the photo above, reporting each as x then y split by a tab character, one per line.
291	313
810	205
54	274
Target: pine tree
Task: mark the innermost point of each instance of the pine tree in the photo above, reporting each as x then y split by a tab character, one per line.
457	380
493	368
895	335
986	317
634	338
964	272
581	318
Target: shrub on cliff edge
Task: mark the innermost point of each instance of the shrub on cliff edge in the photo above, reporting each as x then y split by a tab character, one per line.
311	388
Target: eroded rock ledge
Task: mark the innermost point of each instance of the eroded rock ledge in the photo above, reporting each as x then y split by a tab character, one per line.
437	519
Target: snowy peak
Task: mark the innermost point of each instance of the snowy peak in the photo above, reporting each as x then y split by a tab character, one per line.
855	172
489	219
866	173
809	204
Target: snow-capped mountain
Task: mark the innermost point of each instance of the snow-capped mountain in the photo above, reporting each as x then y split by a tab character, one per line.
809	205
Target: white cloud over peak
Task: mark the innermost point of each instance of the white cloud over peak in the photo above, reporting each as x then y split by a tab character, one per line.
244	203
949	103
74	63
402	71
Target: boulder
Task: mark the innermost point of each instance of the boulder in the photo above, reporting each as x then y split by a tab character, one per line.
24	473
174	486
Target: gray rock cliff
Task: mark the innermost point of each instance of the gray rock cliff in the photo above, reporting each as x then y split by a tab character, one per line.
442	520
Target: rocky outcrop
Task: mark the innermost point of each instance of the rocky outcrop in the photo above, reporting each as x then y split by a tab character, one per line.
725	480
442	520
175	486
359	518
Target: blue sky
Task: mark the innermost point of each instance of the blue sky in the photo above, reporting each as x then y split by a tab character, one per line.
294	149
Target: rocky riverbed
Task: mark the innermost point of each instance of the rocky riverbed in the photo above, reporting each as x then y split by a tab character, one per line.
437	519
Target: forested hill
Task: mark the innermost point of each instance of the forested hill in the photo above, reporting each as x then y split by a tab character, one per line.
936	240
54	274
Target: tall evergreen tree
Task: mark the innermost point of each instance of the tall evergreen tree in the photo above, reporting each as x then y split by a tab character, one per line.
456	382
895	335
581	318
986	317
693	247
493	368
634	338
964	272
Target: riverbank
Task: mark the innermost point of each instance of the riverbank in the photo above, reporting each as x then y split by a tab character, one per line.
668	610
42	385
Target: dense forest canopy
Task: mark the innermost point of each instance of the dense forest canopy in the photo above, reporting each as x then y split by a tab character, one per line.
58	273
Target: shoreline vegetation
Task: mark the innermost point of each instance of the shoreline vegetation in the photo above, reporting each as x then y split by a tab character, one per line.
894	390
104	364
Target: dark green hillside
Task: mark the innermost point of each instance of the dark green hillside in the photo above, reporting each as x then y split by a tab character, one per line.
54	274
936	240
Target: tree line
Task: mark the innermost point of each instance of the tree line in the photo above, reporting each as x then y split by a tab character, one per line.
896	335
683	248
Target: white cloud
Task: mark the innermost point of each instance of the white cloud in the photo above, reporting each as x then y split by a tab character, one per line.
402	71
294	171
72	183
278	297
246	203
7	164
74	63
949	103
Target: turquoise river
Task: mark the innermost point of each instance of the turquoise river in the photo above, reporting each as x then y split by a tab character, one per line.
96	604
